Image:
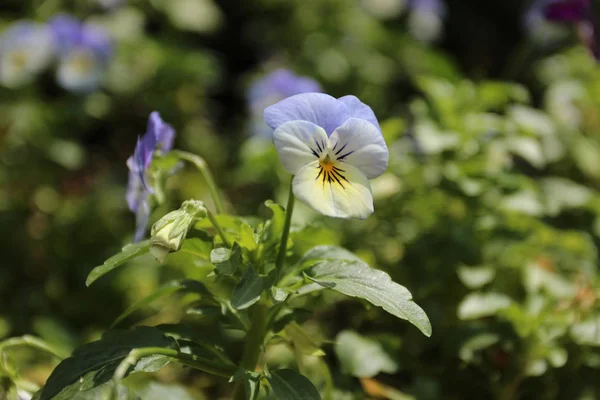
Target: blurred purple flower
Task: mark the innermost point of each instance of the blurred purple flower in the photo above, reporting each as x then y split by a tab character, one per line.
158	137
578	12
84	51
26	49
272	88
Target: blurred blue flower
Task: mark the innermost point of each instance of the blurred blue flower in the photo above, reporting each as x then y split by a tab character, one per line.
159	137
274	87
332	147
84	51
426	19
26	49
578	12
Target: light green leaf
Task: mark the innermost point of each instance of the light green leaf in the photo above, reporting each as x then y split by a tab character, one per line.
302	340
357	279
248	290
476	277
478	305
127	253
362	357
162	391
329	253
226	261
165	290
95	363
288	384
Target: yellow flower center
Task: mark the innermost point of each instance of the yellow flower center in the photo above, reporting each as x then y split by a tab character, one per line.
330	173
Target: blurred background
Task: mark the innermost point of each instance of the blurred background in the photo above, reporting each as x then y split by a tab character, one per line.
488	214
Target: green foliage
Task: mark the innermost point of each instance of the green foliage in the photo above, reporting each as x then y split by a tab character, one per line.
127	253
289	384
357	279
96	362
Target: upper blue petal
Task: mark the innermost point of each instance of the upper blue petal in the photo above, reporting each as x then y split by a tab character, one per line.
318	108
163	133
358	109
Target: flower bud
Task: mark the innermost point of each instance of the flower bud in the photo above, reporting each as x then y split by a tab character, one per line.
169	232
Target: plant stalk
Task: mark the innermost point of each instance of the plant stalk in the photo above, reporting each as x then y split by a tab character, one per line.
218	228
203	168
254	346
289	210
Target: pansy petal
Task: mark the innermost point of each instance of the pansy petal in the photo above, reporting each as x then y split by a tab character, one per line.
318	108
142	216
299	143
359	143
358	109
348	197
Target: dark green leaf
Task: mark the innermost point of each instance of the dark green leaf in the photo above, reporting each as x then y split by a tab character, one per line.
127	253
248	291
357	279
95	363
288	384
187	285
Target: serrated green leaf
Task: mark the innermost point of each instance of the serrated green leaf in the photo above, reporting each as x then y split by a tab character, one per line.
95	363
248	290
362	357
357	279
226	261
187	285
288	384
127	253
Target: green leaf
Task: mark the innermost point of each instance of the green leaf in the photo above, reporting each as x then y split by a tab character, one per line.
357	279
95	363
248	290
302	340
362	357
476	277
329	253
127	253
162	391
274	226
187	285
288	384
478	305
226	261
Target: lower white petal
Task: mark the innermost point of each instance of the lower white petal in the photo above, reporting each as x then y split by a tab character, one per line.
343	192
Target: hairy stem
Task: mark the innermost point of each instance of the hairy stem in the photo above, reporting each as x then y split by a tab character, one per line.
203	168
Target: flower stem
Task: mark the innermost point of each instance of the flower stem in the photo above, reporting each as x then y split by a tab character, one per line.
203	168
254	345
286	231
216	225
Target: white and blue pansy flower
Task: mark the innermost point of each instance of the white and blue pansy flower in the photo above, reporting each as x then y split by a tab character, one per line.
159	138
332	147
84	51
26	49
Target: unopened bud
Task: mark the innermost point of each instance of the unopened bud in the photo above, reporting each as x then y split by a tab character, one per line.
169	232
